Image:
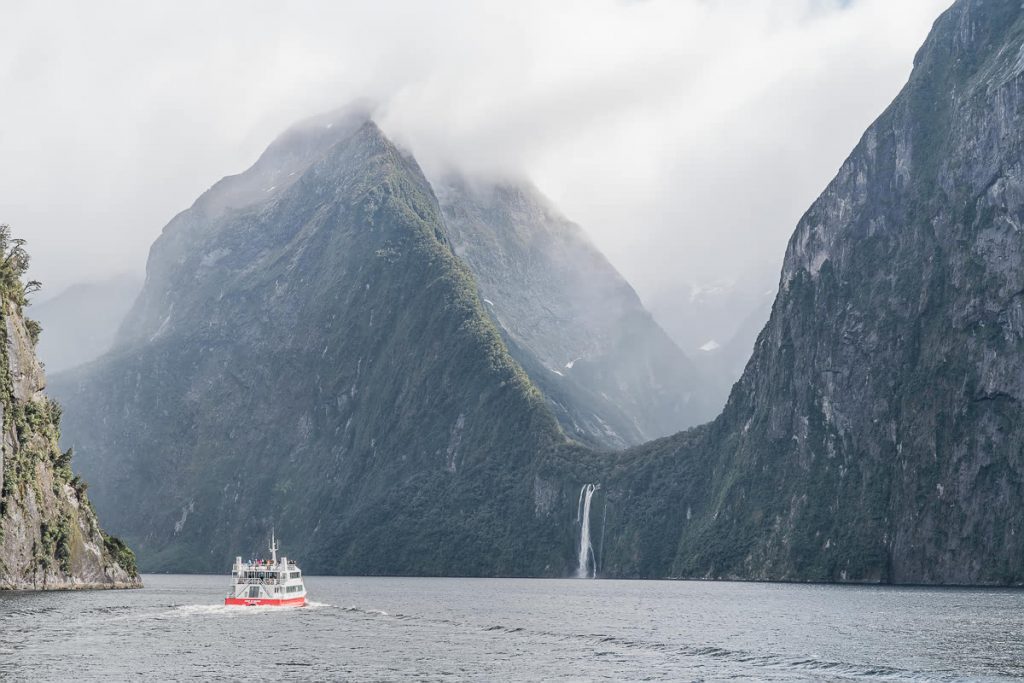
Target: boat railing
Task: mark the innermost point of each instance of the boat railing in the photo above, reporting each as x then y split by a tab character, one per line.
267	568
239	581
258	581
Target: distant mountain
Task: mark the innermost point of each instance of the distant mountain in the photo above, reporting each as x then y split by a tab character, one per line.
49	535
702	316
82	320
716	324
876	433
612	375
720	364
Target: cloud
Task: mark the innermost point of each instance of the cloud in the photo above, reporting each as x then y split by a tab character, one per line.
685	136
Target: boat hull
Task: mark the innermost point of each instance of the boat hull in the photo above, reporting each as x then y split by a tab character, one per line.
266	602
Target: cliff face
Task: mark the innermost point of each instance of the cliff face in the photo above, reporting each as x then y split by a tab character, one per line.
49	535
610	373
309	353
876	433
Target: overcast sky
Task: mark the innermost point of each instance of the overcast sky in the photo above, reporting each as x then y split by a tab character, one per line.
685	136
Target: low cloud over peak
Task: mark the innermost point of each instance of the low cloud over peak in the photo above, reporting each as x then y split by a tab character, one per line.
685	137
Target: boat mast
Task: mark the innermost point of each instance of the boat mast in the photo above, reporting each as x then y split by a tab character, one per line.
273	547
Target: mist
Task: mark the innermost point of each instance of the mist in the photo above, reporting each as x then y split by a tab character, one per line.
685	137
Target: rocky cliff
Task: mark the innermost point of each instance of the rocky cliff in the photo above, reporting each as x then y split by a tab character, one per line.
49	535
876	433
610	373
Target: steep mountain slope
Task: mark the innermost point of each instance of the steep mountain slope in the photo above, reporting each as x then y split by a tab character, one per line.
81	321
49	536
612	375
876	434
308	352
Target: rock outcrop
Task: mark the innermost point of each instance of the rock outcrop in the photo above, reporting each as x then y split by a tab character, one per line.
49	535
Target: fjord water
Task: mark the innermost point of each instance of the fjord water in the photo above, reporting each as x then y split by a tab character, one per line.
512	629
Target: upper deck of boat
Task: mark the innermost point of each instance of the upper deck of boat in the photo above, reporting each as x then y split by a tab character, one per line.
266	570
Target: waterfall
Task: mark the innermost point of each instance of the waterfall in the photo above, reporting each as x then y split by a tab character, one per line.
587	564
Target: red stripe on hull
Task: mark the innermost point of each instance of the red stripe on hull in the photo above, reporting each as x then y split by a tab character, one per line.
266	602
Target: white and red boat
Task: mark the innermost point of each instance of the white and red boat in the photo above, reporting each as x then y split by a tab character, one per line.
269	583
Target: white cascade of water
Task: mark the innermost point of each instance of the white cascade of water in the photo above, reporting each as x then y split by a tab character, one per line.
587	568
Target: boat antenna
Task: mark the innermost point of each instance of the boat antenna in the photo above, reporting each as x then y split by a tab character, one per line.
273	546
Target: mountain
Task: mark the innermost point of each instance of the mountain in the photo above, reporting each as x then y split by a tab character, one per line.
309	353
708	314
716	323
720	365
875	434
49	536
611	374
82	320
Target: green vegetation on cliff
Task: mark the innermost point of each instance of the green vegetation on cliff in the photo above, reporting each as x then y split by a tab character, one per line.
49	537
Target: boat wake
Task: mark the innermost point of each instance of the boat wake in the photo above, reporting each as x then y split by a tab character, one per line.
208	610
362	610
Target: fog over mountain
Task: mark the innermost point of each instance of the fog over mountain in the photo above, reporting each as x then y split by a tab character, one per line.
82	320
638	119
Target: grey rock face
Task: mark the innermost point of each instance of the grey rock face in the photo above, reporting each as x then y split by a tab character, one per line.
49	536
27	379
876	434
611	374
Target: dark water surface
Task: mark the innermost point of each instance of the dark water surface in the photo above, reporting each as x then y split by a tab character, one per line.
511	629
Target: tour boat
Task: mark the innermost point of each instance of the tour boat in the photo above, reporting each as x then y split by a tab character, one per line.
269	583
